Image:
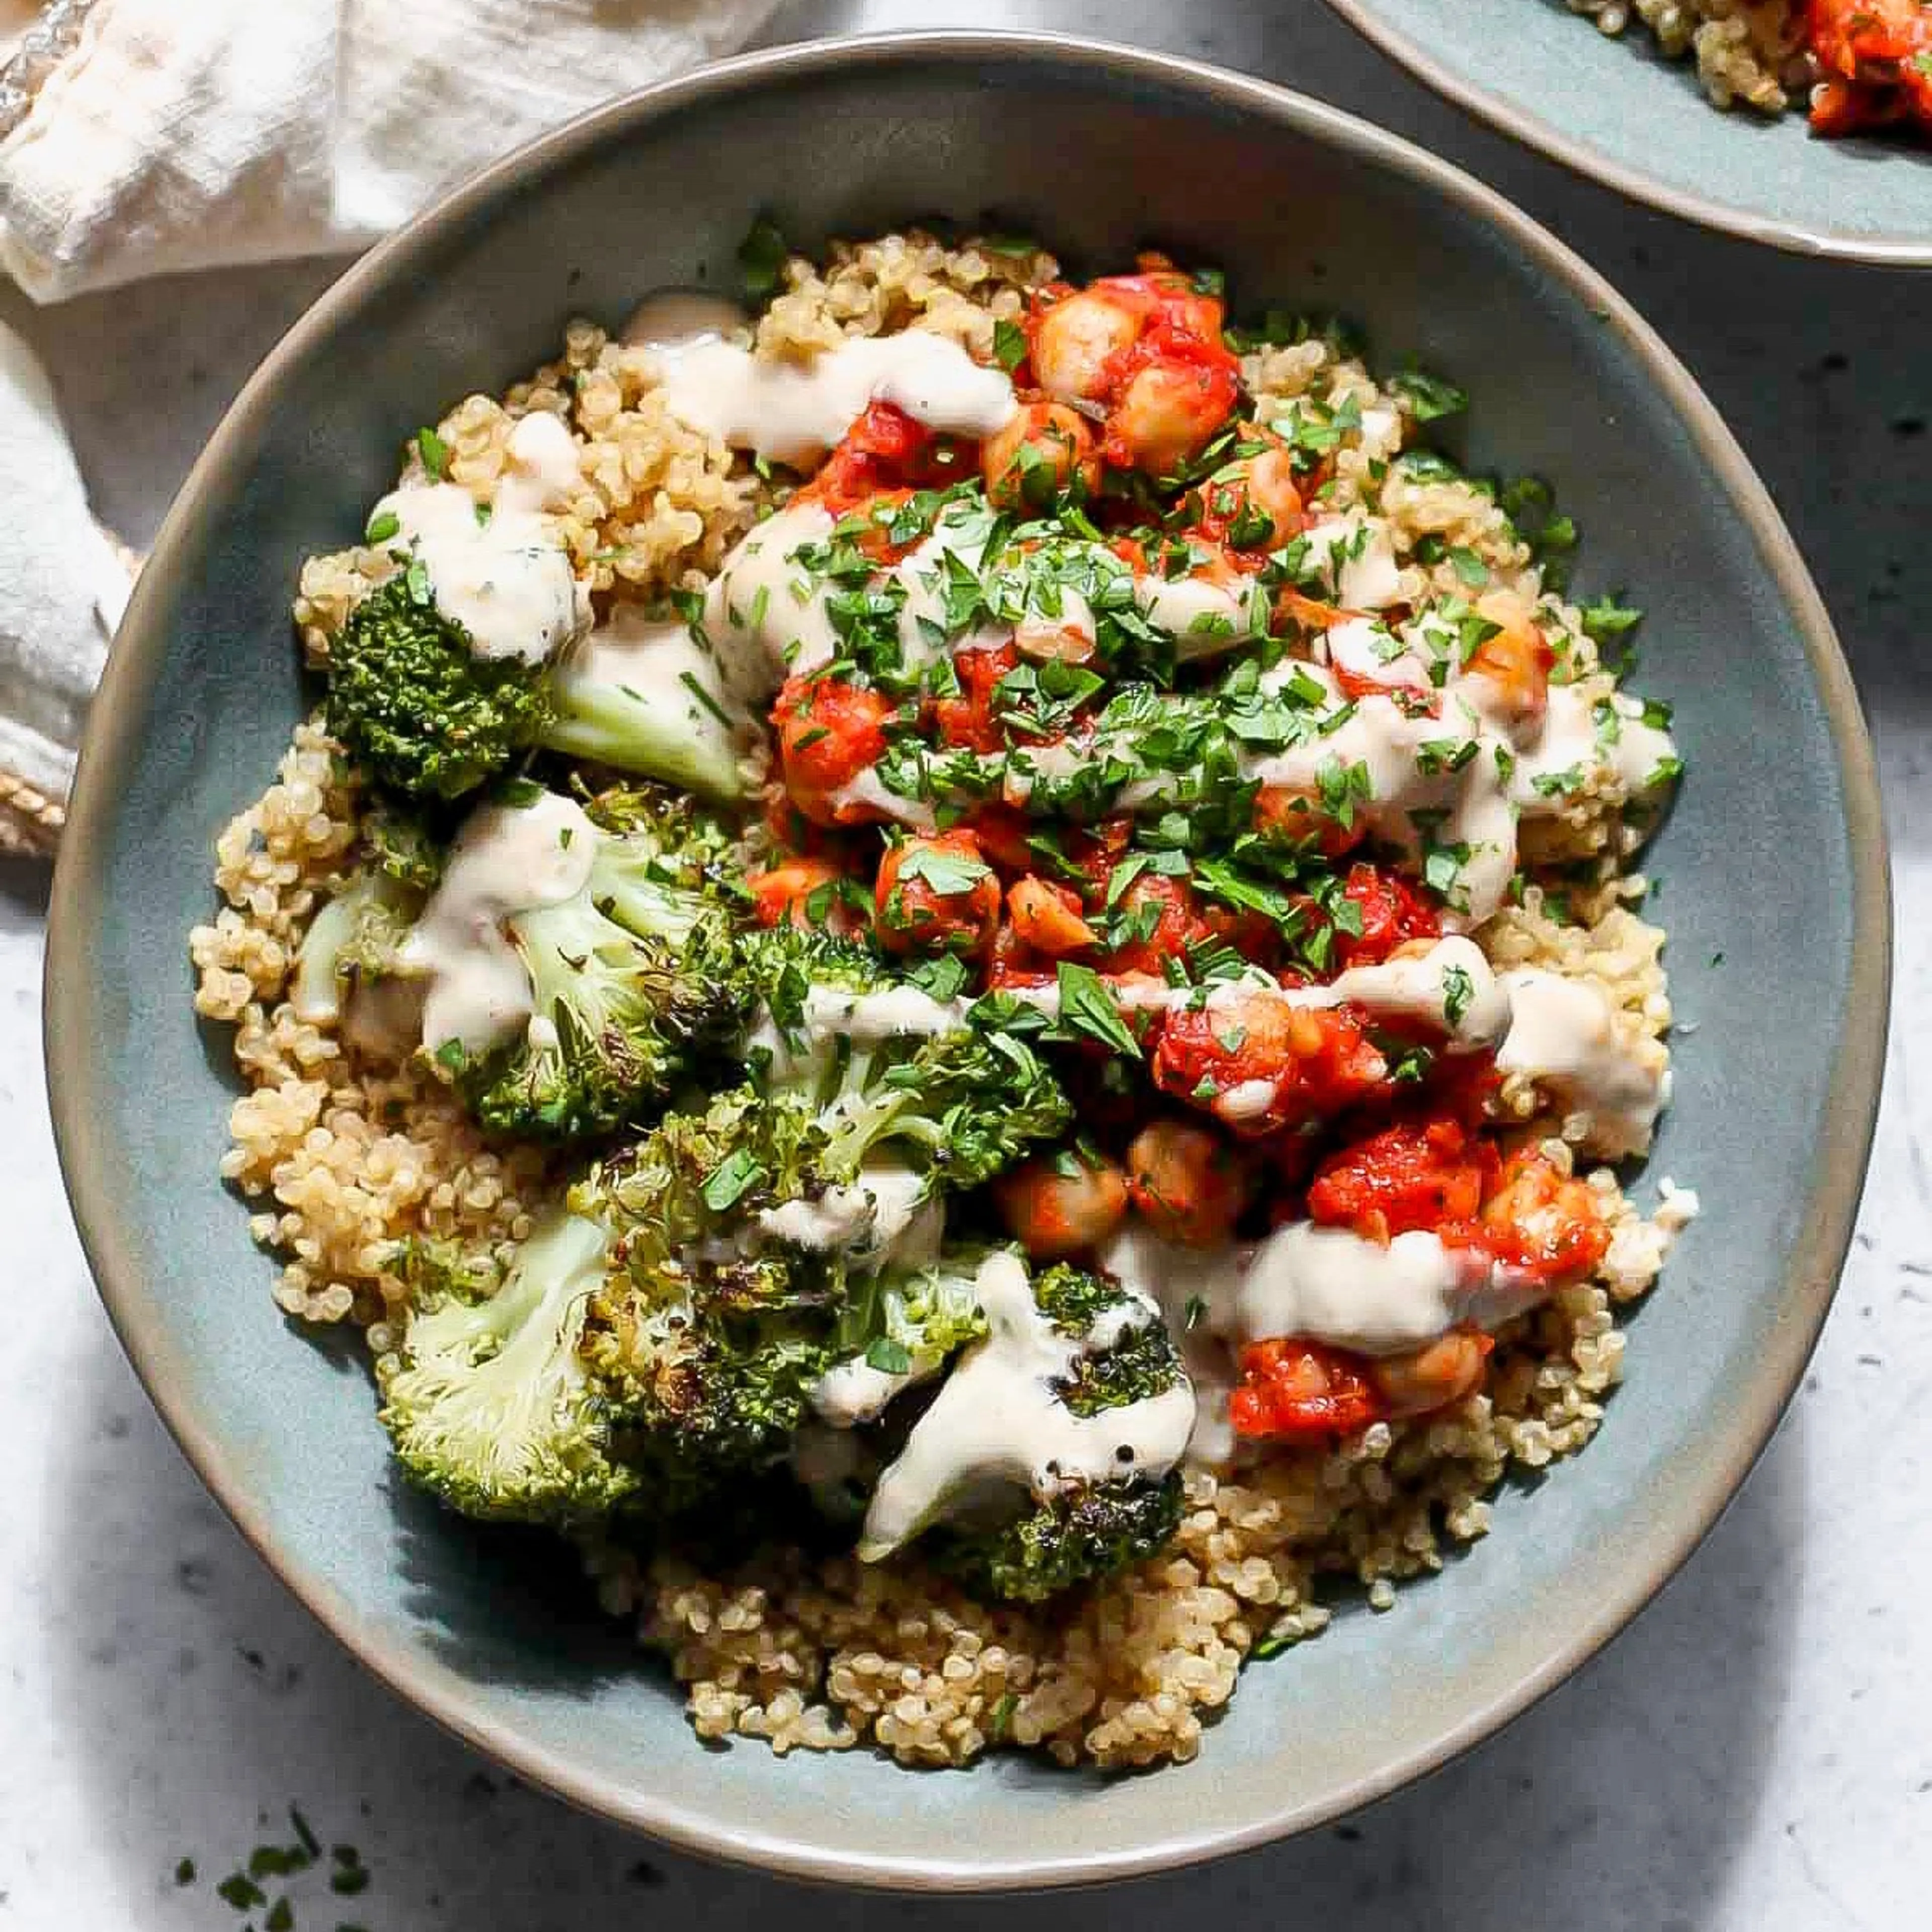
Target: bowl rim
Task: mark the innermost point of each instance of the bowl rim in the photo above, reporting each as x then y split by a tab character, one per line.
1529	130
112	738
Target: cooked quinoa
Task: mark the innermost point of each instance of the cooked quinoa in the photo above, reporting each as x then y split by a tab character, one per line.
1749	53
347	1155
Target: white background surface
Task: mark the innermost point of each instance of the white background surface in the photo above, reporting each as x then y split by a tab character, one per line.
1756	1753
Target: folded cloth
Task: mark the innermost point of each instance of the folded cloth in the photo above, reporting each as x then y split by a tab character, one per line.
61	589
180	133
144	137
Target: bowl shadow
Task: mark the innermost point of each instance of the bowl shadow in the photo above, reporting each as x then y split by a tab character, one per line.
1663	1740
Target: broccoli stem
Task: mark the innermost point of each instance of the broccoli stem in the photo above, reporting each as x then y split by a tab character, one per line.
679	734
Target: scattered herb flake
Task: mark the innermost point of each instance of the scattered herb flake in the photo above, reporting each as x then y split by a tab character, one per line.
1428	396
1087	1007
948	874
727	1184
238	1890
690	681
761	259
888	1357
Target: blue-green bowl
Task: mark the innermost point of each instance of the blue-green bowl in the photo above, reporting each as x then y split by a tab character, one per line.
1615	109
1775	857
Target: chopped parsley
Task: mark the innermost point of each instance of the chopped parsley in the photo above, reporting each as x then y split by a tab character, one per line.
1087	1007
1429	398
761	259
947	873
888	1357
732	1179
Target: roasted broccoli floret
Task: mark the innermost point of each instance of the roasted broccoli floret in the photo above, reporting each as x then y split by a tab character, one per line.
889	1074
709	1347
416	707
899	1327
662	711
964	1105
1089	1485
353	941
1081	1531
631	980
409	846
489	1402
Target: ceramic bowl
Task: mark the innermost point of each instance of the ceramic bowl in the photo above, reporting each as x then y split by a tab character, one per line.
1615	109
1774	856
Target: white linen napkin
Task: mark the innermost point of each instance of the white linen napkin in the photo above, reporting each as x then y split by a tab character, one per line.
144	137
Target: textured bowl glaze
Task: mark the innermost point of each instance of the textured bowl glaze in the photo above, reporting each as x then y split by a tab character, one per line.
1100	151
1615	109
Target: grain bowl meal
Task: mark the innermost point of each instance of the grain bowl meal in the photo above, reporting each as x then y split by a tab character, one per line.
1855	64
954	971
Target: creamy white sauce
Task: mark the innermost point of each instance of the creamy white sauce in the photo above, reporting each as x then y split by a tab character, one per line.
1356	556
1361	646
793	411
1638	753
1325	1284
997	1423
893	1012
1565	1034
866	1019
851	1393
545	467
868	789
676	318
1333	1286
1562	746
887	1216
766	614
1449	987
1203	617
506	860
1388	744
507	580
1246	1099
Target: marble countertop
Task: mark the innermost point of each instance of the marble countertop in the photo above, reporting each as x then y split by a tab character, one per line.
1756	1753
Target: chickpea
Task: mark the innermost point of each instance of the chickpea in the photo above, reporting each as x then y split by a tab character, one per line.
1062	1203
1047	918
1544	1223
1445	1371
829	732
802	892
1074	341
1296	815
1263	484
1166	413
1516	661
1038	456
1186	1181
937	894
